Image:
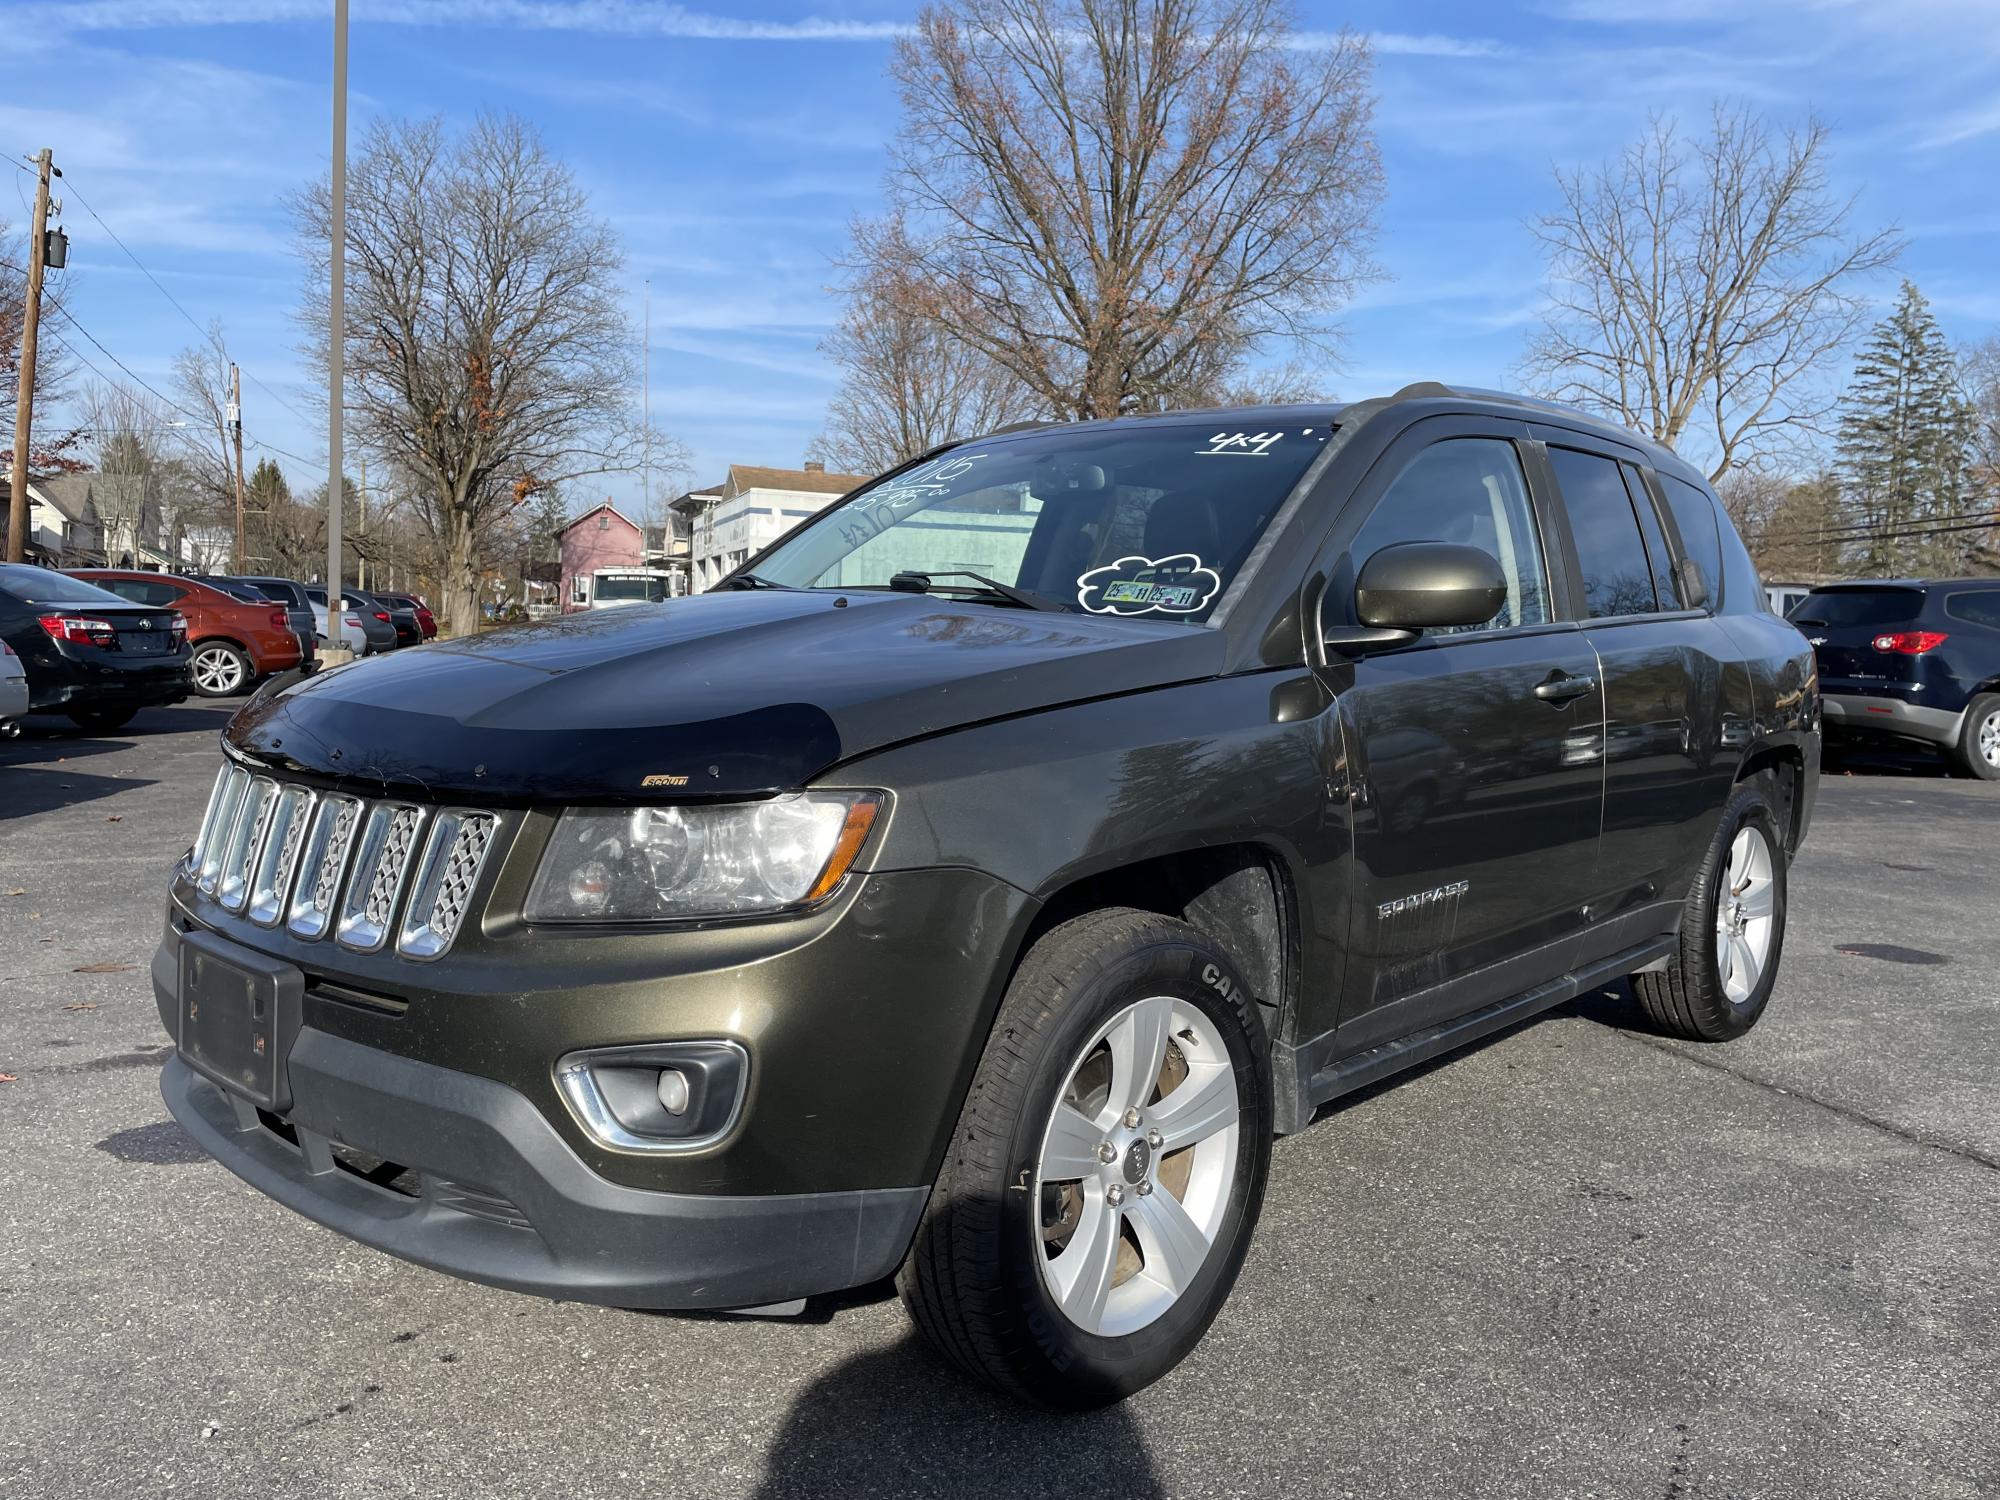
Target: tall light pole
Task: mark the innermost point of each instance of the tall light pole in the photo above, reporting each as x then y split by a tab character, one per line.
336	348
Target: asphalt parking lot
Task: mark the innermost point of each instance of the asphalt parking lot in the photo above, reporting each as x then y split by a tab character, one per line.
1580	1260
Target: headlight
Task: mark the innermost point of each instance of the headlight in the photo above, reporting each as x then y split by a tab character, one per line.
640	864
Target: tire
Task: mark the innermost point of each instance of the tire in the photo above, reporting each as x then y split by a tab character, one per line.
101	720
220	670
1696	997
981	1279
1978	750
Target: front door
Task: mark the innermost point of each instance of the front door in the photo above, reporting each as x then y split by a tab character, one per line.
1475	762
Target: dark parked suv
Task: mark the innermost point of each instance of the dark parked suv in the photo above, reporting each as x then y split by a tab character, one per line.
971	885
1913	659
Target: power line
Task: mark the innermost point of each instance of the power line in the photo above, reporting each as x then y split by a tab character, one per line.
70	189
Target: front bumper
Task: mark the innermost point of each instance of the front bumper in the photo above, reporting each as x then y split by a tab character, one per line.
1850	712
861	1023
500	1199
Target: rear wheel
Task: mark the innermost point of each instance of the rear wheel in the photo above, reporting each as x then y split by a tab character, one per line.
1100	1189
220	670
101	720
1978	750
1732	931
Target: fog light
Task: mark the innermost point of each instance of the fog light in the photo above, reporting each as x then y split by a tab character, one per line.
673	1091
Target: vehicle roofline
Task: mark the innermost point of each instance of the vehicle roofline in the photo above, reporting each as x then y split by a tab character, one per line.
1349	413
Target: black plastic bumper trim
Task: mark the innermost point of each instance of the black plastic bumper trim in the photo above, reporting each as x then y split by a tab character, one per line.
587	1240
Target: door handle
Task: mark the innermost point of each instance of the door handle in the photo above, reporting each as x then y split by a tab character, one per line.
1560	687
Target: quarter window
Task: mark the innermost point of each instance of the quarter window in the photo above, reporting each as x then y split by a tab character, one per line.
1617	574
1694	518
1975	609
1656	537
1470	491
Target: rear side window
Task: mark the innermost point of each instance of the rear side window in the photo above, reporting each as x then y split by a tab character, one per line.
1656	538
1982	608
1617	574
1860	607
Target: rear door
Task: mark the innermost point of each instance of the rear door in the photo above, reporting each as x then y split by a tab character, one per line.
1663	661
1473	755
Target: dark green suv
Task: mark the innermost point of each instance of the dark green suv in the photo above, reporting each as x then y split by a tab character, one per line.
969	887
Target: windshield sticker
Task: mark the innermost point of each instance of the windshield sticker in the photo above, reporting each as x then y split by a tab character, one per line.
881	508
1176	585
1239	445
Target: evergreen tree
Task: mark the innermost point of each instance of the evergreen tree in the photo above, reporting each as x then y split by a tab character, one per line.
1905	437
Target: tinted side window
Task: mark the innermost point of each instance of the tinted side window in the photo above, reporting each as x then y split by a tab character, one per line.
1617	574
1975	609
130	589
1656	538
1694	517
1471	491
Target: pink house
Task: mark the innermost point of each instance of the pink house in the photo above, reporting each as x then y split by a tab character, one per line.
599	538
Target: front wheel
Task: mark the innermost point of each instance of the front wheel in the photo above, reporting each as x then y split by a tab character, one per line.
1732	930
1099	1192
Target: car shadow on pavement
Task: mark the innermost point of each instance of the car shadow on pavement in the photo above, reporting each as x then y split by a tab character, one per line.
901	1422
26	790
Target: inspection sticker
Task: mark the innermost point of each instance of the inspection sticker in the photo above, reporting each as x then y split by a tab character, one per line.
1175	585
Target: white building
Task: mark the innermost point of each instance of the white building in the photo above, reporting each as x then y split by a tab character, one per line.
733	521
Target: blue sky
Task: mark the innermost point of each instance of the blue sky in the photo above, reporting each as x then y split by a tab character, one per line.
730	143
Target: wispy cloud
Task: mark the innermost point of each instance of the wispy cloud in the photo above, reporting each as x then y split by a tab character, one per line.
602	17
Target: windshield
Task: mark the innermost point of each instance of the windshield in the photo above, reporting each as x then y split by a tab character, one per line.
1859	607
630	590
1146	519
42	586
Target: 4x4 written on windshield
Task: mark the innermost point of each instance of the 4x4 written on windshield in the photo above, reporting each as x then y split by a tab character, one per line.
1137	521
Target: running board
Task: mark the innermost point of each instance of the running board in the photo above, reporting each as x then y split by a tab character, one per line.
1345	1075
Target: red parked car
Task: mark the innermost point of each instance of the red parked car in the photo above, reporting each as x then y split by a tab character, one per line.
426	621
236	643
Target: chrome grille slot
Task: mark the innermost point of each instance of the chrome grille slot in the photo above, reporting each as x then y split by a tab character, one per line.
246	841
445	882
324	864
229	802
381	869
271	877
208	817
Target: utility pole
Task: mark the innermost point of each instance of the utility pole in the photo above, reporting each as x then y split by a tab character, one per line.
236	426
24	402
336	335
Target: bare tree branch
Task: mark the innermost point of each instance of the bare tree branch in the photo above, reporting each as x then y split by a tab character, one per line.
1696	287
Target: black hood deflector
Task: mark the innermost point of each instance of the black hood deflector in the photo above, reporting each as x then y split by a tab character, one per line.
740	693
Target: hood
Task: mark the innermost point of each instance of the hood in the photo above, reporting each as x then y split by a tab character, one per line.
726	694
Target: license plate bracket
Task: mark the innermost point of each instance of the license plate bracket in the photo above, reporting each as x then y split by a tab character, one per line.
240	1011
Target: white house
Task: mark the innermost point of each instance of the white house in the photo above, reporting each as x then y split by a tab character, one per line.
752	508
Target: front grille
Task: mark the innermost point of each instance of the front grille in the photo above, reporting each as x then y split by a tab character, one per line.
338	864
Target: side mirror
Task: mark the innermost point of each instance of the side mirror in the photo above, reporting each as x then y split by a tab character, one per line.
1429	585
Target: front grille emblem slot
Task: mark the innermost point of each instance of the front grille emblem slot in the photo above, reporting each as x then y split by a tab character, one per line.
381	869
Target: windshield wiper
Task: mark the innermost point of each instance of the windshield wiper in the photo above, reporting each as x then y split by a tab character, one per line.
750	581
911	581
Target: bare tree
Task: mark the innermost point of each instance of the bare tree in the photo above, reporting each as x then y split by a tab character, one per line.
129	430
1117	200
908	382
488	355
201	381
1695	288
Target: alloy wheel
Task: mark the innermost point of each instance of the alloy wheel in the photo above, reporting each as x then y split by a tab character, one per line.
1745	914
218	671
1137	1166
1989	739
